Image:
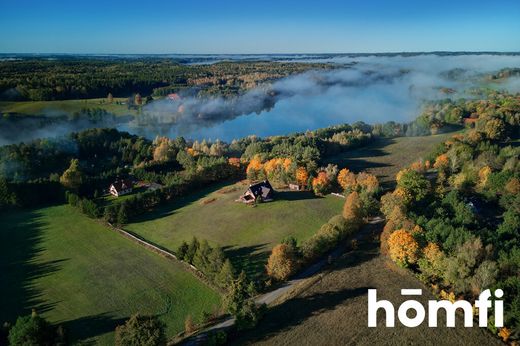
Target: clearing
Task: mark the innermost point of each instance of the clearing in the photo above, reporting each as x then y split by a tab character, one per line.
386	156
65	107
78	273
246	233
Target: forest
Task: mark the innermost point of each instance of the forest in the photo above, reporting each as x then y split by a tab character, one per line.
454	219
44	80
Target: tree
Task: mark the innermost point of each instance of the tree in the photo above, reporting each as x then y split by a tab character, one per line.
321	183
237	295
432	262
353	208
483	175
192	249
6	197
226	274
31	330
122	215
389	202
442	162
367	182
141	331
182	250
254	170
414	184
347	180
189	325
495	129
164	152
72	177
402	247
282	263
302	176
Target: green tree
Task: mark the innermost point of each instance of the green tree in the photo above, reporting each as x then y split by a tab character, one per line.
192	250
122	215
140	331
414	183
182	250
226	274
237	295
31	330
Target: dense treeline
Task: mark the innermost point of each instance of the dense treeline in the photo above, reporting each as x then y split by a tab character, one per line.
490	105
455	219
43	79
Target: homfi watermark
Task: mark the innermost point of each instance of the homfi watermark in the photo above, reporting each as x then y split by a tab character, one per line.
416	309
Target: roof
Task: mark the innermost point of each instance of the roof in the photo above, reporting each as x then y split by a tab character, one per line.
124	184
262	188
174	97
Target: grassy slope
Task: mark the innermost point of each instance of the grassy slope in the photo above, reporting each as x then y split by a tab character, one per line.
385	157
248	233
334	310
63	106
78	273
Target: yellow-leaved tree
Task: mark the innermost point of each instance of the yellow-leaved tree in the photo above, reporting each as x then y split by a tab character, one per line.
282	263
402	247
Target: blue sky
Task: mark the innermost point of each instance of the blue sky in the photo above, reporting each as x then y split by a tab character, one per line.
203	26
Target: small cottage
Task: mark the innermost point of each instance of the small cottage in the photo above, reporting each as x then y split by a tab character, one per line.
121	187
262	191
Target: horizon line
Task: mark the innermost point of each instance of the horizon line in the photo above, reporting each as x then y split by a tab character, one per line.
292	53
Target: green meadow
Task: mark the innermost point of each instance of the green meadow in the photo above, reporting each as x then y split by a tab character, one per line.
76	272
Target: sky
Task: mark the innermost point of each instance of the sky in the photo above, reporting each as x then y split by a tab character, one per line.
235	27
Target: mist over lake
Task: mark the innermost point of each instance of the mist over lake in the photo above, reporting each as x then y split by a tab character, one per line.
372	89
357	87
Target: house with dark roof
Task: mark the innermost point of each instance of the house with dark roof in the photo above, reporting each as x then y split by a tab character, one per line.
121	187
261	191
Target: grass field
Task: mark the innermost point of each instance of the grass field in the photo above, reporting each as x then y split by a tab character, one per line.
246	233
385	157
78	273
334	310
64	107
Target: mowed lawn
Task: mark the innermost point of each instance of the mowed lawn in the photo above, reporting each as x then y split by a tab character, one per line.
64	107
246	233
78	273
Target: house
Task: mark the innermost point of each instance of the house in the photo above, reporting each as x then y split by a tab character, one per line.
173	97
262	191
121	187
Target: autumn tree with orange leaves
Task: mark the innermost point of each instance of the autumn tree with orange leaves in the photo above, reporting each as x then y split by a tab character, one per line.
302	177
282	263
353	208
441	162
255	169
367	182
321	183
347	180
403	247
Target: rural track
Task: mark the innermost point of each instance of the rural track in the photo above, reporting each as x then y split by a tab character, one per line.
269	297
